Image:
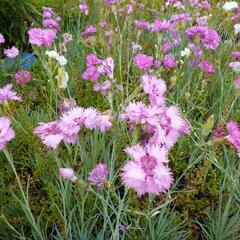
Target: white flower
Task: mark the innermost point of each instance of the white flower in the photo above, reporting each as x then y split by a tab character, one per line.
235	66
186	52
136	47
228	6
62	60
62	78
52	54
237	28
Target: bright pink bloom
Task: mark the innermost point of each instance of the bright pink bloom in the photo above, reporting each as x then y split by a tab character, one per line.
234	135
41	37
6	93
146	172
98	175
169	62
236	54
92	74
51	24
161	26
83	7
22	77
6	132
92	59
11	52
90	30
143	61
141	24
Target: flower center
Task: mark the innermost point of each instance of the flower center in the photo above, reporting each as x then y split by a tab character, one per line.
148	164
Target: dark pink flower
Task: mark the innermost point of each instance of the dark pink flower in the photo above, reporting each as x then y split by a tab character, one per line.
22	77
143	61
207	67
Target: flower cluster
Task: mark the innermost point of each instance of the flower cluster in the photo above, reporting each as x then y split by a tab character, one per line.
50	19
67	128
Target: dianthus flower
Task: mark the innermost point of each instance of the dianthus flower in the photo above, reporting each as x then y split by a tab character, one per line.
143	61
146	172
6	93
234	135
6	132
22	77
11	52
207	67
98	175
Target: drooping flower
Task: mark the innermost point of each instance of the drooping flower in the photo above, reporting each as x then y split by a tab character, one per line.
235	54
234	135
6	93
41	37
22	77
11	52
6	132
207	67
146	172
98	175
143	61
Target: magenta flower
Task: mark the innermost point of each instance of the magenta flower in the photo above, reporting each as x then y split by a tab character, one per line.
51	24
41	37
90	30
6	93
207	67
91	73
237	83
11	52
92	59
236	54
146	172
161	26
169	62
98	175
68	173
6	132
2	40
22	77
141	24
204	35
143	61
234	135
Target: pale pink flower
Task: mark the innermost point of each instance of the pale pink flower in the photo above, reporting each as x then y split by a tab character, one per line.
102	87
11	52
234	135
2	40
146	172
98	175
6	93
68	173
6	132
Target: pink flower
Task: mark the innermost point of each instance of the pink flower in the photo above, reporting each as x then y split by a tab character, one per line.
67	105
143	61
234	135
141	24
103	87
207	67
22	77
236	54
155	87
146	172
83	7
11	52
161	26
68	173
2	40
48	12
106	67
41	37
237	83
51	24
92	74
92	59
98	175
6	132
6	93
90	30
169	62
204	35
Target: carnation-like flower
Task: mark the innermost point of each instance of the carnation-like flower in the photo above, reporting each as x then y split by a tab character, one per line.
6	132
41	37
141	24
237	83
147	172
98	175
90	30
102	87
67	105
51	24
47	12
11	52
83	7
6	93
68	173
143	61
91	73
22	77
185	53
204	35
169	62
235	66
161	26
234	135
207	67
60	58
228	6
2	40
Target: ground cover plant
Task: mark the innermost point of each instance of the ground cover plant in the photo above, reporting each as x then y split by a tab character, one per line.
120	120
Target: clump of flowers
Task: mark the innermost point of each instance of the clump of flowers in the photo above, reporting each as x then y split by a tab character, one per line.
22	77
6	132
98	176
